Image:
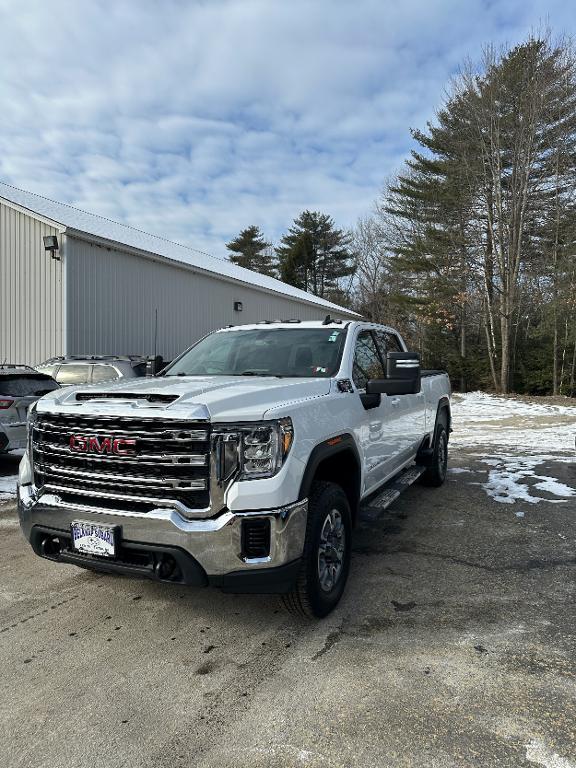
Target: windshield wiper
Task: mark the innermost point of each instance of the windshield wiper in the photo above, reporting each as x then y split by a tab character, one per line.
261	373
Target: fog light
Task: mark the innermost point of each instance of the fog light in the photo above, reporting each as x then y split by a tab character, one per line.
255	538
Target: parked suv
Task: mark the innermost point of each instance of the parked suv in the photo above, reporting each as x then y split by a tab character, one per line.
244	465
97	369
20	386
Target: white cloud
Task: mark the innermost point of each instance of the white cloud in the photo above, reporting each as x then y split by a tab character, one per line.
194	119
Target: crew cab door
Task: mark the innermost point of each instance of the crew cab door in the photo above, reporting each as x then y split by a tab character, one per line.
374	416
407	421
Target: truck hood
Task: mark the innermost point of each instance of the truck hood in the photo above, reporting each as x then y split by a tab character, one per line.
219	398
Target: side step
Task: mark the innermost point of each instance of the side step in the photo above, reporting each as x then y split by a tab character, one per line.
374	506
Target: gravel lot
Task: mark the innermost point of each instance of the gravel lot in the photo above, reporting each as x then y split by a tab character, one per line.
454	646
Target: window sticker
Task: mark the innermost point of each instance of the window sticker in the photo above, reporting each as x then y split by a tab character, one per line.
333	336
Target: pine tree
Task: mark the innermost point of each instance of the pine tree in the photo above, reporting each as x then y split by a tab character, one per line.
250	250
484	214
316	256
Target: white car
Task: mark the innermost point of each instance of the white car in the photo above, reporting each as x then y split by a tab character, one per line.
20	386
244	465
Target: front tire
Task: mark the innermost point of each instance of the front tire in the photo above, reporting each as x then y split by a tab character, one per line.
327	549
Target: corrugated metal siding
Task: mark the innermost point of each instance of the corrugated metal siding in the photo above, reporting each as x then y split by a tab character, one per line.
30	291
112	298
124	237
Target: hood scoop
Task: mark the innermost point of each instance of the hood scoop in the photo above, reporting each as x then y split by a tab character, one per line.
149	397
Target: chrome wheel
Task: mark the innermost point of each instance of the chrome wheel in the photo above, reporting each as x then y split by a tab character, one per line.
331	550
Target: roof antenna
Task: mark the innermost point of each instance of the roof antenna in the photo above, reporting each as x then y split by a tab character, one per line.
327	320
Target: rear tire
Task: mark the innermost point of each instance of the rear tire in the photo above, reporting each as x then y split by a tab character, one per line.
326	559
435	474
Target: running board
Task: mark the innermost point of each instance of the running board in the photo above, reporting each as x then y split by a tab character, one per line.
372	509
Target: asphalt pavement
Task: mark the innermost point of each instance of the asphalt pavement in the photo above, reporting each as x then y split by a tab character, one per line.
454	646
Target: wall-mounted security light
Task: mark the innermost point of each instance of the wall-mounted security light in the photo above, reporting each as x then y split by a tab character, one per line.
51	246
238	306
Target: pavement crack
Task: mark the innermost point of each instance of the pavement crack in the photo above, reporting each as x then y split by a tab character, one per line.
44	611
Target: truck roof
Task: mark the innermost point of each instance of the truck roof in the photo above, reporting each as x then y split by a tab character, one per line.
327	323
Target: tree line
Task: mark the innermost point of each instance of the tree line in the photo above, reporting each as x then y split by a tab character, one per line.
313	255
471	249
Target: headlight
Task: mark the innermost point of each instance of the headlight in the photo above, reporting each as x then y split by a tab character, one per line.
264	447
253	450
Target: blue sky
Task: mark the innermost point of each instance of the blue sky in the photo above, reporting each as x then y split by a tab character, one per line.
192	120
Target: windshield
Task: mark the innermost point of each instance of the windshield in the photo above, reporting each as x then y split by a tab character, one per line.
313	352
19	385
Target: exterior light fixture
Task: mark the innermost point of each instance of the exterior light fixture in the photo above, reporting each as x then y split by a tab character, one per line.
51	246
238	306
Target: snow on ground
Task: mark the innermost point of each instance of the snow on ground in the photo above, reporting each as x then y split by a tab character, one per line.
513	438
480	418
8	482
8	487
505	480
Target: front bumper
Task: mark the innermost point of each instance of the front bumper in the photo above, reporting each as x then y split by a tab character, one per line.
214	545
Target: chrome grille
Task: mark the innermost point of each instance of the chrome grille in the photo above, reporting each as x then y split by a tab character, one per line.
169	464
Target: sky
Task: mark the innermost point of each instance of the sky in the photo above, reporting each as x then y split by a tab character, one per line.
194	119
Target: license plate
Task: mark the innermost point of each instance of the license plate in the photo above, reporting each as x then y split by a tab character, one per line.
94	539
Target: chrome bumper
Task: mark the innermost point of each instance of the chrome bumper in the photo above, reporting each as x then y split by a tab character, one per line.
215	544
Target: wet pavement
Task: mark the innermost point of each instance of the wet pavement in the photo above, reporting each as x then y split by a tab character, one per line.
455	645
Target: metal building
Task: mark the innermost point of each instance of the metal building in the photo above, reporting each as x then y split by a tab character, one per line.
112	289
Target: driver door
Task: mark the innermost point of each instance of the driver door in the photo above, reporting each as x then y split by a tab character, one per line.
373	419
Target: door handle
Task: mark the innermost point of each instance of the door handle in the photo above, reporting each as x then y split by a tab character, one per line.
395	401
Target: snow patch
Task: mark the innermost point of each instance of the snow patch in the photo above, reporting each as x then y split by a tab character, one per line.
539	753
480	419
513	437
481	406
504	480
551	485
8	487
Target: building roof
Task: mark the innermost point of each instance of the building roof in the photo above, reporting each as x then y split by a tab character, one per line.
80	222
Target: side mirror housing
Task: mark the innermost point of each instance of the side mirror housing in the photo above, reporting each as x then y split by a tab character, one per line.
402	375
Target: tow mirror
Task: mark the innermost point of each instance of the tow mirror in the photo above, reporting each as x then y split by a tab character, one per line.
402	375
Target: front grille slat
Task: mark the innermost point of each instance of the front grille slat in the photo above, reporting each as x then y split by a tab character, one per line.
169	465
182	459
107	478
163	434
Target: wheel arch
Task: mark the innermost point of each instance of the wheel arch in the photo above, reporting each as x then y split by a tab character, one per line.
444	414
335	460
443	417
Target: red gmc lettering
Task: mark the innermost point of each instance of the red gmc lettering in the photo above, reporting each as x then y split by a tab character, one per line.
100	446
123	446
92	444
78	443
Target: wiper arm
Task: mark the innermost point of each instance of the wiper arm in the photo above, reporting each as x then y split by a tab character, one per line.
261	373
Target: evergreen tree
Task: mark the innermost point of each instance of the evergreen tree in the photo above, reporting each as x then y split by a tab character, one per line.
483	217
316	256
250	250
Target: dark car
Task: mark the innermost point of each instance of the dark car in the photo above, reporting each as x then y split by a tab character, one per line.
98	368
20	386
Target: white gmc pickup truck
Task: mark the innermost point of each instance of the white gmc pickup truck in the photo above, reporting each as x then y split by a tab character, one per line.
245	464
